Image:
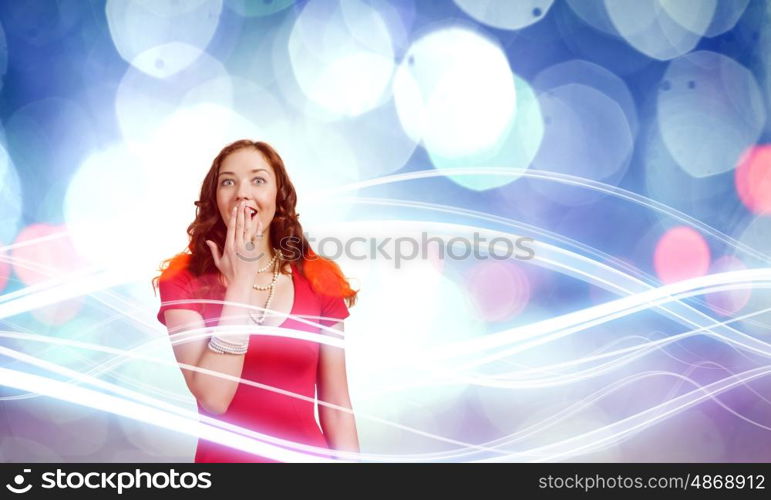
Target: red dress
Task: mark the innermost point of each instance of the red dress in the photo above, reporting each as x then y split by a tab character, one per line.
279	362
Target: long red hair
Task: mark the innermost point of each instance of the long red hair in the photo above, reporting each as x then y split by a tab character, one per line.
286	232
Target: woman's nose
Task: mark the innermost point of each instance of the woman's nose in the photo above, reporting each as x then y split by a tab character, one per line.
243	191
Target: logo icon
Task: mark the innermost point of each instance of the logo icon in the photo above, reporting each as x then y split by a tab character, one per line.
19	480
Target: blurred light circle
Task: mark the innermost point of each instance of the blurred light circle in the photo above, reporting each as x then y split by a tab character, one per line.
251	56
260	108
106	208
100	70
342	57
249	110
499	290
400	18
397	18
373	142
505	14
726	16
99	100
750	35
454	90
377	140
43	252
47	139
282	75
666	182
186	143
42	23
586	134
681	253
165	60
253	8
143	103
755	236
607	50
10	197
753	179
693	15
160	37
515	149
710	110
659	32
594	76
324	159
729	302
594	14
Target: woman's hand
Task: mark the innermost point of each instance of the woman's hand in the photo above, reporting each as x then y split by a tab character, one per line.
236	263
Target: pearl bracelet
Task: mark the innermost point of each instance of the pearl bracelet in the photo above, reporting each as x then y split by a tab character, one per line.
223	347
219	350
221	341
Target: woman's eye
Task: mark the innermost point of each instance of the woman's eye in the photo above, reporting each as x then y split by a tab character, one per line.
259	180
226	182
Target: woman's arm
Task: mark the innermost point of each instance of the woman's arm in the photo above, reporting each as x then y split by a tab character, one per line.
212	392
216	393
338	426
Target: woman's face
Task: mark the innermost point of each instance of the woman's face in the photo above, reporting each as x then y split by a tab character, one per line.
245	175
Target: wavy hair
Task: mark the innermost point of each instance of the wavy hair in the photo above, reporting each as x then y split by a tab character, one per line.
286	232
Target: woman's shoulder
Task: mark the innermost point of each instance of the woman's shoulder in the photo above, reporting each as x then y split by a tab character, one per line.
324	277
178	287
324	281
176	269
178	280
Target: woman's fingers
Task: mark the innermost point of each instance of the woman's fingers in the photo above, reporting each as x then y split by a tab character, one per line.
248	221
230	238
251	228
240	226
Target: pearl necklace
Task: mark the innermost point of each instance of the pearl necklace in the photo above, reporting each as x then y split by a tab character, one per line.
276	253
272	286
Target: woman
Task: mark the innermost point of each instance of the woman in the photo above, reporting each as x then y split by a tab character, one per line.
247	247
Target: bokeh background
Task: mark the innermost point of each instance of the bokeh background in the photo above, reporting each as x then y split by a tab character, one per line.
628	139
